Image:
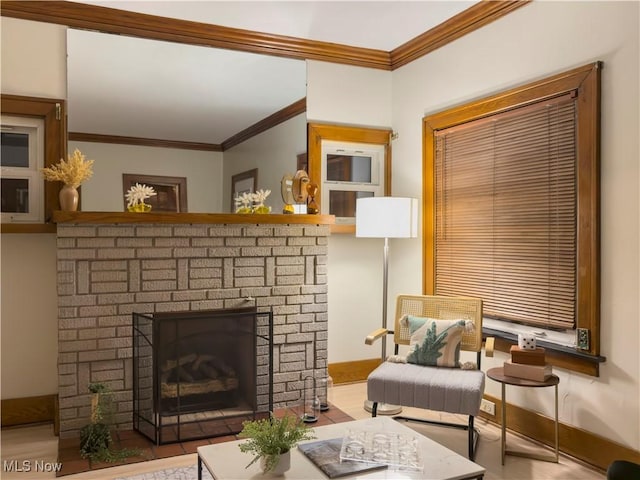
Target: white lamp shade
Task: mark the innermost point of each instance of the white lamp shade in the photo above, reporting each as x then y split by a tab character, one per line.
387	217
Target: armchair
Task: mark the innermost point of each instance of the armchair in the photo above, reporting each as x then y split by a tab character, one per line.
433	386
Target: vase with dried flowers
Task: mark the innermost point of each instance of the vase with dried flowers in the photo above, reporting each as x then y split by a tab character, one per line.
136	196
72	173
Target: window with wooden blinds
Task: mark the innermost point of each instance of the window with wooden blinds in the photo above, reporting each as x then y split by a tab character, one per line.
511	210
505	213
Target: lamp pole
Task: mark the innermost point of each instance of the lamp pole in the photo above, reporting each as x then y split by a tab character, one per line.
385	282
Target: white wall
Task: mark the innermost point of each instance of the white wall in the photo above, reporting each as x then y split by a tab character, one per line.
341	94
536	41
273	152
29	338
103	191
28	311
28	50
344	95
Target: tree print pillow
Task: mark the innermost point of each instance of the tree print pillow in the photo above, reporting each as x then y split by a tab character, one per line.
435	342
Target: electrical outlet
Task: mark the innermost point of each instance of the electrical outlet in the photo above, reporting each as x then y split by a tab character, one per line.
583	339
488	407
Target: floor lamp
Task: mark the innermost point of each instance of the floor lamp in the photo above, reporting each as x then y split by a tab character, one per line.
386	217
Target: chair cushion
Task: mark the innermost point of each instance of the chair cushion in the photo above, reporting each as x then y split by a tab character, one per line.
450	390
434	342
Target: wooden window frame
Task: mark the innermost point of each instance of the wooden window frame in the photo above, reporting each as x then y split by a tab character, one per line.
53	111
319	132
586	81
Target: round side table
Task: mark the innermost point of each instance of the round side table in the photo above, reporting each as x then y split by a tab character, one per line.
498	375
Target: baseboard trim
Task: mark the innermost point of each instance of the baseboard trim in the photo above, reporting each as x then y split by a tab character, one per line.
24	411
355	371
581	444
575	442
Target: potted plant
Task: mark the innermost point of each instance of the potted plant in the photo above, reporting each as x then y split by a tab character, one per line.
95	437
271	439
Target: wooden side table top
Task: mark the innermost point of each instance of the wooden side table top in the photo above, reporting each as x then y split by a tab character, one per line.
497	374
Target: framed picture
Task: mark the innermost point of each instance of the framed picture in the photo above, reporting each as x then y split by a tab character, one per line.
171	192
243	183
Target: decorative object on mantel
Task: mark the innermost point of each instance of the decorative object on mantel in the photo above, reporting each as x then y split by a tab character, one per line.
312	206
243	202
136	196
72	173
259	198
300	194
248	202
271	440
286	190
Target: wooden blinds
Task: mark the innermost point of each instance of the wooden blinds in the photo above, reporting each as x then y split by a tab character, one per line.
505	208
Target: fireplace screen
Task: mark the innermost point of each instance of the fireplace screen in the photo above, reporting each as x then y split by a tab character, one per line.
201	374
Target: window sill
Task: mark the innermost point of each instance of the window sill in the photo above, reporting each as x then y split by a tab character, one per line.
557	355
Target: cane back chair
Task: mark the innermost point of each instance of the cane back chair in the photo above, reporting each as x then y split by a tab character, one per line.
452	390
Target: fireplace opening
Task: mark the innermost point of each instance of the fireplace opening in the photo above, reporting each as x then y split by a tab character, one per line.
201	374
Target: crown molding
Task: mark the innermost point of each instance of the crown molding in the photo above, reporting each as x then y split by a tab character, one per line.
263	125
109	20
144	142
457	26
296	108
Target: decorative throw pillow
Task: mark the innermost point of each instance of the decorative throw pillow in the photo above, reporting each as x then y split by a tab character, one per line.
435	342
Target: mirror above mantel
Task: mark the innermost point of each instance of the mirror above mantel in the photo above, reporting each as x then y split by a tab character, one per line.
136	87
142	106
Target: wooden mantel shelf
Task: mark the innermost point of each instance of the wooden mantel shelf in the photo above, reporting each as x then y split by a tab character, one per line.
89	218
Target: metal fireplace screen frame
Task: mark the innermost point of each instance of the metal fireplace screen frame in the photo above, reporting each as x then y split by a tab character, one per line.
168	405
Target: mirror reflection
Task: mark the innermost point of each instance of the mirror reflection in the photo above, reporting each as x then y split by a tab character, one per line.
196	99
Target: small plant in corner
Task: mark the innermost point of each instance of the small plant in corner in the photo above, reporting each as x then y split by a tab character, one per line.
272	437
95	438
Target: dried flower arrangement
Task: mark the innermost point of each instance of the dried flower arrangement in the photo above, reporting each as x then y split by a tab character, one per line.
72	172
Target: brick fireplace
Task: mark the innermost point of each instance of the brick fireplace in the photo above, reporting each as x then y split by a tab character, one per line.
108	270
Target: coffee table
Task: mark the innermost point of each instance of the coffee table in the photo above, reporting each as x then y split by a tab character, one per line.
225	460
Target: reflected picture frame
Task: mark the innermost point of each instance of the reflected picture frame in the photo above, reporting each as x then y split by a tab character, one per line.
243	182
171	192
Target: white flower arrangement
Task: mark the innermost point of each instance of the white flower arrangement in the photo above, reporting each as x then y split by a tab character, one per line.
243	202
260	196
136	196
248	202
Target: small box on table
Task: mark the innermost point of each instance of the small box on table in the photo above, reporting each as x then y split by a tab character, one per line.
538	373
528	357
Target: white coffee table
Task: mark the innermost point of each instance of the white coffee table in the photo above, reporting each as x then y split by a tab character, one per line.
225	460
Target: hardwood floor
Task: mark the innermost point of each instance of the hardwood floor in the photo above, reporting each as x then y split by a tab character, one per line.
37	443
